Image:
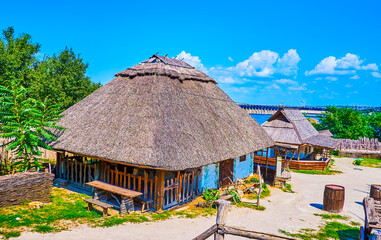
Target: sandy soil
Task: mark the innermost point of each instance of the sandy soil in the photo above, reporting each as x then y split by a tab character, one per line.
287	211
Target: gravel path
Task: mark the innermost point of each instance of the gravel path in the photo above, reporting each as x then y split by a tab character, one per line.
287	211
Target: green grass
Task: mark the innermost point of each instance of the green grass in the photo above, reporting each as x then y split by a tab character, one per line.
332	216
288	188
329	230
68	209
247	205
368	162
9	234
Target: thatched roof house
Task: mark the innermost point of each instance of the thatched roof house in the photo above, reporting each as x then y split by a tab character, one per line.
290	126
162	113
161	128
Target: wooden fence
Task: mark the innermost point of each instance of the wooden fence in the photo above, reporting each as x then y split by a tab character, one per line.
182	188
361	144
220	229
123	179
294	164
77	170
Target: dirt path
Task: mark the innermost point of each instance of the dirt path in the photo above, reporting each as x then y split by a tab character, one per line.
287	211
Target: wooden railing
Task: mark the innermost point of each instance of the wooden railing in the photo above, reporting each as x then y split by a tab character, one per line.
123	179
180	189
220	229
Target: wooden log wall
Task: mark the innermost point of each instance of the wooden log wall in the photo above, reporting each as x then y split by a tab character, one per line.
123	179
296	165
25	187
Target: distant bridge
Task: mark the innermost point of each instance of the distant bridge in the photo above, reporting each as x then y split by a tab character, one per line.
310	111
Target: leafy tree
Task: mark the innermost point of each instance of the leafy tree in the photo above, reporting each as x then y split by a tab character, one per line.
346	123
17	58
27	124
62	76
375	124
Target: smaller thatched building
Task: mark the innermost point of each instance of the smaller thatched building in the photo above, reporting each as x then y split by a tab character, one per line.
291	130
162	128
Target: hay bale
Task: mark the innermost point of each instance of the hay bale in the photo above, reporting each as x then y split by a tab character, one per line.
25	187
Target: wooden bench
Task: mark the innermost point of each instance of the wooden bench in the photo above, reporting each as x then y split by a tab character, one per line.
103	205
144	202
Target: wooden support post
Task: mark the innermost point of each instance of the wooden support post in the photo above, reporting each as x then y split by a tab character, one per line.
222	214
267	160
159	190
298	153
177	187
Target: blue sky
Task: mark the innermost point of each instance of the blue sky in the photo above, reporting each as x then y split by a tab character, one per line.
260	52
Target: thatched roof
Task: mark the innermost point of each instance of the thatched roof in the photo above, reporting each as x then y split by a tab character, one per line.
326	132
164	114
290	126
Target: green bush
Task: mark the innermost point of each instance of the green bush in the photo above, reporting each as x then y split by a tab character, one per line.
357	162
211	194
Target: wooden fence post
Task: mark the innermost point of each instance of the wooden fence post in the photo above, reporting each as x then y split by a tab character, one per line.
159	190
222	214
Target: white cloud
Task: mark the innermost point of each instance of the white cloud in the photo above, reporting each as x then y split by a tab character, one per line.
230	59
286	81
348	86
345	65
330	78
273	86
266	63
288	64
298	88
376	74
355	77
194	61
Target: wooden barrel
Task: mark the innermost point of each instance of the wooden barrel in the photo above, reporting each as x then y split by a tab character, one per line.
375	192
334	196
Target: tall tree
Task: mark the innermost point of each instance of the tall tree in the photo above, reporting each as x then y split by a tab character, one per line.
63	76
346	123
17	58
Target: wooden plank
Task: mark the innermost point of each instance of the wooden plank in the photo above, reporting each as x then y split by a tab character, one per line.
124	177
188	184
139	183
177	187
191	184
159	190
251	234
80	174
114	189
134	181
145	193
209	232
84	171
183	186
129	181
151	189
72	171
116	176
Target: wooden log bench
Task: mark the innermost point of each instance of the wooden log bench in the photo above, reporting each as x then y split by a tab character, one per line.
103	205
144	202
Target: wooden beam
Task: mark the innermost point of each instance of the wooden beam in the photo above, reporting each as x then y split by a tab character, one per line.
159	190
251	234
267	160
298	153
207	233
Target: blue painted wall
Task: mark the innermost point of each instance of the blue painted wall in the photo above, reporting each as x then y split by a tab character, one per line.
209	177
243	169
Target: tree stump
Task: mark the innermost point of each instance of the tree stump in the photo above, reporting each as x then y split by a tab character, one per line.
334	196
375	192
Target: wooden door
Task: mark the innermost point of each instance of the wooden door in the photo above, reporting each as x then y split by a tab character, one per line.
226	172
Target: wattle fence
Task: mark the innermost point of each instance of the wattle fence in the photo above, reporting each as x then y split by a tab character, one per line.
364	147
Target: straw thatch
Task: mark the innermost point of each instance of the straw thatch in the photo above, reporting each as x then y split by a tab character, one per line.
163	114
292	127
326	132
